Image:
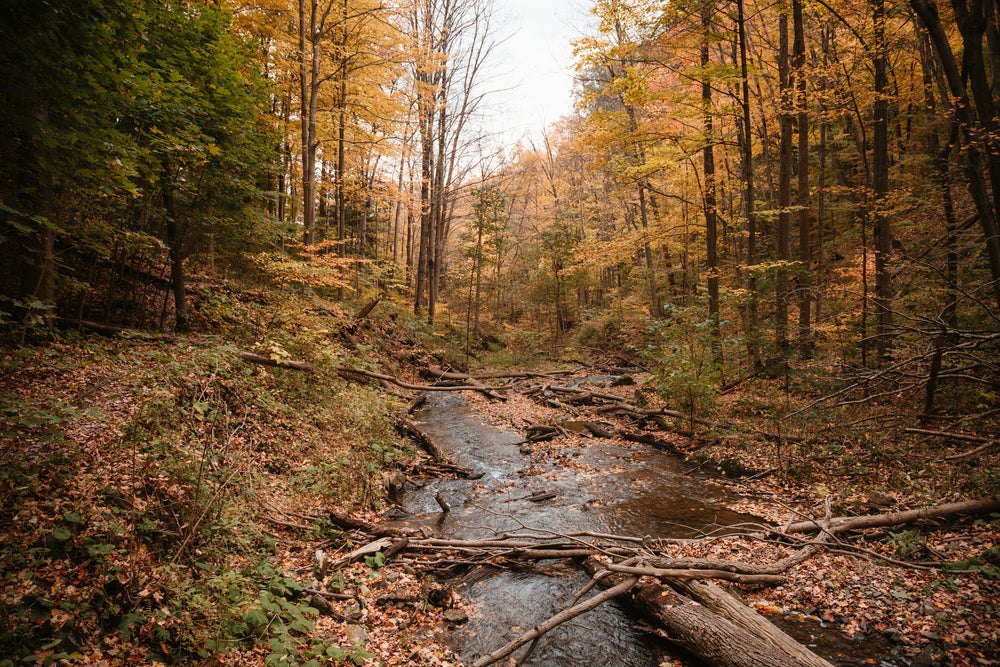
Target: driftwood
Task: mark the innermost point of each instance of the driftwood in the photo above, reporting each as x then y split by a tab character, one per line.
949	511
442	503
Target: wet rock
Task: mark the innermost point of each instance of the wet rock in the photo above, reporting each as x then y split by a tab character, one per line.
441	596
455	616
397	598
929	657
622	381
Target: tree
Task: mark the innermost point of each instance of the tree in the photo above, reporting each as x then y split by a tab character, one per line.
161	136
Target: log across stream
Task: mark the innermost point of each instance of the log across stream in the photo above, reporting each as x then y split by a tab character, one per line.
599	486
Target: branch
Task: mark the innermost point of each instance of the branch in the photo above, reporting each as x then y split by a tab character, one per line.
561	617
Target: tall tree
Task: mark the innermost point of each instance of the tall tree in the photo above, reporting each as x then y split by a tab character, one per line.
802	174
784	239
880	181
973	128
709	197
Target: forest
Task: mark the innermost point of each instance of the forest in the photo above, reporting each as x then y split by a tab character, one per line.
254	253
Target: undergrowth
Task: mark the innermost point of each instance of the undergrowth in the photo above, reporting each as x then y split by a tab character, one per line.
138	479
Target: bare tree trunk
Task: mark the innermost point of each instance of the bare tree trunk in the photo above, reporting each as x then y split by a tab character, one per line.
746	199
805	242
709	197
880	184
784	185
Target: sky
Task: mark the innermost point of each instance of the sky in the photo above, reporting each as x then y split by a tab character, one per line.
535	63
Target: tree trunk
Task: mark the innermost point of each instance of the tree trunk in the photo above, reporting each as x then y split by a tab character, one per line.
805	245
712	638
880	185
746	200
308	89
784	239
174	243
711	218
927	11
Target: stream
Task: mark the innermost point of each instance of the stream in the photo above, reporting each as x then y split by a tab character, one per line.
600	486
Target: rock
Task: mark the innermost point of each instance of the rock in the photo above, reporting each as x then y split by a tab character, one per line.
356	634
353	612
455	616
441	596
575	426
323	606
622	381
879	499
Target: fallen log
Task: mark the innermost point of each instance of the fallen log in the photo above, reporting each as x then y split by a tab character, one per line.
948	511
712	638
369	307
470	382
652	441
349	522
410	430
351	373
718	600
598	430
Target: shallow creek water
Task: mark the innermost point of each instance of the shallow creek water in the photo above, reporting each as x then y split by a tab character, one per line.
600	486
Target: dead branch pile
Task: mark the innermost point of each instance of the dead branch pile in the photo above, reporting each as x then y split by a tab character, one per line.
674	593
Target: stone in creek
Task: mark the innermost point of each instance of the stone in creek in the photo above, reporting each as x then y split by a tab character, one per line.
455	616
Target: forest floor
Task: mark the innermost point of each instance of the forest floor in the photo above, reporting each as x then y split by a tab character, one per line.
165	502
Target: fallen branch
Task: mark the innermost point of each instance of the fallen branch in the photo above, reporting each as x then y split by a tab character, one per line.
351	373
951	510
674	573
949	434
471	382
969	454
561	617
369	307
